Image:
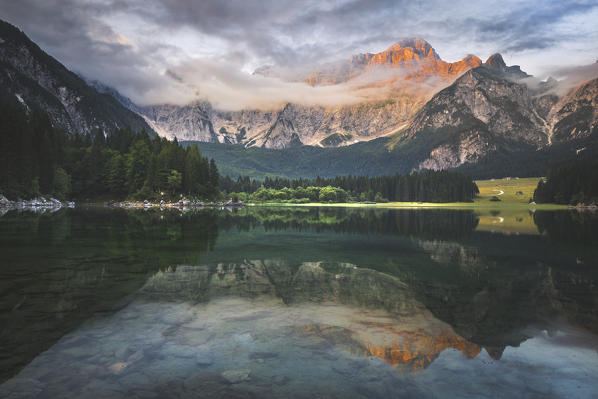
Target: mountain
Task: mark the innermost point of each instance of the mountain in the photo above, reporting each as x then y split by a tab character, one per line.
482	112
488	123
491	110
36	80
485	118
410	69
575	116
436	114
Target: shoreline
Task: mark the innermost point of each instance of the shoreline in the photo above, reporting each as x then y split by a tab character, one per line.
420	205
38	204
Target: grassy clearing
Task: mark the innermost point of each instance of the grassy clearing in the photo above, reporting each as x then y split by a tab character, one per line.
511	215
514	193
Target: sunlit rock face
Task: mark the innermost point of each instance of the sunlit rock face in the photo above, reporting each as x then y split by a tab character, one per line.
412	59
291	125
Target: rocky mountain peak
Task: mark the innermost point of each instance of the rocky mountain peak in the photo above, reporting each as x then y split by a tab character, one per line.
414	45
495	61
405	50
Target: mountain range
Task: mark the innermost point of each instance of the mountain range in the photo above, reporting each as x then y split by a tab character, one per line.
484	117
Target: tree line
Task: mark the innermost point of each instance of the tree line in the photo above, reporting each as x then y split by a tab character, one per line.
39	159
425	186
571	183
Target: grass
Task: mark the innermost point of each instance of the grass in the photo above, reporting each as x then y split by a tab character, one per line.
509	189
511	215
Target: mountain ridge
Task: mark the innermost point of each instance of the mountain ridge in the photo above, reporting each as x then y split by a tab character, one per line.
37	80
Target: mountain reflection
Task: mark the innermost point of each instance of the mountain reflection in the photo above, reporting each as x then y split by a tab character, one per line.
404	286
388	322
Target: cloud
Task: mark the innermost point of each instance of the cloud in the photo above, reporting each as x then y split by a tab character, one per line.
131	45
230	89
571	77
563	79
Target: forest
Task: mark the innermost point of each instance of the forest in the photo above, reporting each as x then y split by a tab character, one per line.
570	183
425	186
39	159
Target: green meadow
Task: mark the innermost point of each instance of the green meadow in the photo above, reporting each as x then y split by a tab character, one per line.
513	214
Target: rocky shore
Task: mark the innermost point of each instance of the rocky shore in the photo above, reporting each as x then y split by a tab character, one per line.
39	204
182	204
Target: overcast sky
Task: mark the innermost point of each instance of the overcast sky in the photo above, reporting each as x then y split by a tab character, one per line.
146	48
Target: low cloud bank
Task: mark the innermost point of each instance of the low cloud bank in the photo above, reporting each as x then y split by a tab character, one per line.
230	89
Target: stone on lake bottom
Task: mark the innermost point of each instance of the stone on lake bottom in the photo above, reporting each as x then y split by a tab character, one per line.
236	376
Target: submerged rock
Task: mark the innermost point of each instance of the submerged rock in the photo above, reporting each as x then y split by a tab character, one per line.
236	376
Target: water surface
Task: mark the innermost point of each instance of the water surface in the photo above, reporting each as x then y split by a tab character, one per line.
297	302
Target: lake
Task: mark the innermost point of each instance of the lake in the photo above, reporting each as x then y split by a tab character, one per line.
298	303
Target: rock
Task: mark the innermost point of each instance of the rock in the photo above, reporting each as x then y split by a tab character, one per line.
236	376
4	202
203	359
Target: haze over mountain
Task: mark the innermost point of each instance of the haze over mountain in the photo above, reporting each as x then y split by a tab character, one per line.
383	91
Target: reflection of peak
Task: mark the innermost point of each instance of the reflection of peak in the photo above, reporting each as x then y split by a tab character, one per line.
418	349
495	352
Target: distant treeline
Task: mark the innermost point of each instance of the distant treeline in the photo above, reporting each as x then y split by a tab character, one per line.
571	183
38	159
426	186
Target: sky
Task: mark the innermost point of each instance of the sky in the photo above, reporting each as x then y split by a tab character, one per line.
177	51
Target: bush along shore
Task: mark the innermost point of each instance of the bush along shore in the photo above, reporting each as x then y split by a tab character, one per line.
35	204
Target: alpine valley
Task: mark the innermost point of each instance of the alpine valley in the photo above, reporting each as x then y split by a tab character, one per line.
486	118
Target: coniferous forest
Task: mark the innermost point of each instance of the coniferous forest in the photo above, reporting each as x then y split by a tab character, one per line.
38	159
426	186
570	183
